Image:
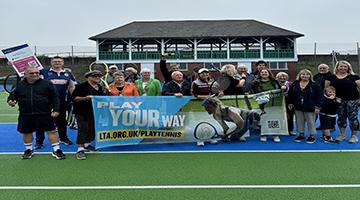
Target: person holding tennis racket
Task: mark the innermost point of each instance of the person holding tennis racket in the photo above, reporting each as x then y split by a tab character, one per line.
230	81
235	115
38	106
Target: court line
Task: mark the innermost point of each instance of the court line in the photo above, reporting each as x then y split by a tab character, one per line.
176	187
200	151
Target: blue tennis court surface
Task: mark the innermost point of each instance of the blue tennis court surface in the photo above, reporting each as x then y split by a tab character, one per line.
10	141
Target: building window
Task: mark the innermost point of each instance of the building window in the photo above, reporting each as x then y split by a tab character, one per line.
183	66
277	65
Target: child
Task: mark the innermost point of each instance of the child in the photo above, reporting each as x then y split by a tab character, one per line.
328	113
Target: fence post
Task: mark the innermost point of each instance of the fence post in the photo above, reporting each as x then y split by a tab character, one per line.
358	54
315	53
72	54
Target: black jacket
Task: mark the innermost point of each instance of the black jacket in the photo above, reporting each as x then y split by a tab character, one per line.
38	98
171	88
312	96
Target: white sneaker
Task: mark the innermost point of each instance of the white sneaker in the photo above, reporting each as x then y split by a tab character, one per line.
242	139
200	143
214	141
292	133
353	139
276	138
263	138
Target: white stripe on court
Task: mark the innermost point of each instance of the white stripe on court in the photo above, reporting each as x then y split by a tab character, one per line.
175	187
199	151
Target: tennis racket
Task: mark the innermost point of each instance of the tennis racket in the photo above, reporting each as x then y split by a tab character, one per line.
103	68
205	131
221	84
11	82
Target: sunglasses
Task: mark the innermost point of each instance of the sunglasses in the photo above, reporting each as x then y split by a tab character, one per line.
33	73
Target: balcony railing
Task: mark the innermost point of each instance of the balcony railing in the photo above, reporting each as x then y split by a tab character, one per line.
189	55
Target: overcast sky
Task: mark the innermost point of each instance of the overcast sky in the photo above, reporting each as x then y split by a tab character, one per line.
72	22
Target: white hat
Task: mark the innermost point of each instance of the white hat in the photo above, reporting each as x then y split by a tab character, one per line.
203	70
113	67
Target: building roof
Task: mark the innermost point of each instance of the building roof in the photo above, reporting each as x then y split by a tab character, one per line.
195	29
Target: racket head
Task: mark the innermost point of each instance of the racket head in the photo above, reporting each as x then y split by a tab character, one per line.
103	68
205	131
221	84
11	82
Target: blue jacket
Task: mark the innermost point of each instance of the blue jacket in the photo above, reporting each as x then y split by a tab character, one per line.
306	100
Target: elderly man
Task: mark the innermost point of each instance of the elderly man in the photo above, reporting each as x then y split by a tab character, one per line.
84	112
38	106
112	70
177	87
249	78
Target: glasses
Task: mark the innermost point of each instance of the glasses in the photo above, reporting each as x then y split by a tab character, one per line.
33	73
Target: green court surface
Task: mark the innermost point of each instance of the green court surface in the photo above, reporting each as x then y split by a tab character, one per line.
7	114
313	176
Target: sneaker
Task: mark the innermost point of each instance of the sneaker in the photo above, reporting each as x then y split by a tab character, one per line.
276	138
340	138
200	143
311	139
293	133
90	148
58	154
39	146
214	142
28	153
327	139
66	141
242	139
353	139
299	138
263	138
80	155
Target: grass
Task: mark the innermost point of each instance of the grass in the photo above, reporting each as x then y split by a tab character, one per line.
184	169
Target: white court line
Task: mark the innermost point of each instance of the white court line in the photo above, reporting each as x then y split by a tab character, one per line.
175	187
199	151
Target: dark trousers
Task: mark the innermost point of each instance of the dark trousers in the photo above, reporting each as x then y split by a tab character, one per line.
86	129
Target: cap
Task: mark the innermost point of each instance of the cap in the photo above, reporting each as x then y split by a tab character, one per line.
131	69
113	67
203	70
91	73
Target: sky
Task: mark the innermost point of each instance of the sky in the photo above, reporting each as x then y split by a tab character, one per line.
72	22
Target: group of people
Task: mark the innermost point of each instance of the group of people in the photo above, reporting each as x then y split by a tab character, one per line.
43	99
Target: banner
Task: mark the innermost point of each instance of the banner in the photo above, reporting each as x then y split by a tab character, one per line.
21	57
168	119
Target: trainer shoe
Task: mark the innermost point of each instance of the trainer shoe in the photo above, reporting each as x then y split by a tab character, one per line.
90	148
263	138
293	133
39	146
340	138
242	139
80	155
28	153
327	139
66	141
300	138
200	143
58	154
276	138
311	139
353	139
213	141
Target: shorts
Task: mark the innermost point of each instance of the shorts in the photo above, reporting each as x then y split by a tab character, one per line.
31	123
327	122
